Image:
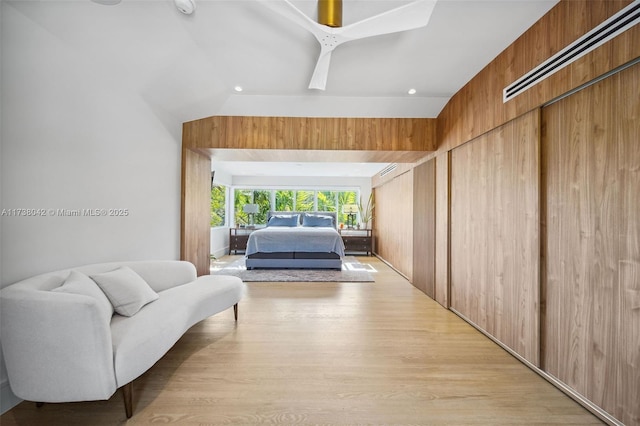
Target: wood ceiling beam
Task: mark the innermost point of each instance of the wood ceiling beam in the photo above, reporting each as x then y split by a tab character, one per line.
311	133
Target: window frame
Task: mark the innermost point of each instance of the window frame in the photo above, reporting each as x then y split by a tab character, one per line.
338	190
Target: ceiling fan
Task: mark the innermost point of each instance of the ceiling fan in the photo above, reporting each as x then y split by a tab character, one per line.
330	33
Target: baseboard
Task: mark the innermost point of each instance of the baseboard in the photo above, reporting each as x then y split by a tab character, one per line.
7	399
391	266
219	253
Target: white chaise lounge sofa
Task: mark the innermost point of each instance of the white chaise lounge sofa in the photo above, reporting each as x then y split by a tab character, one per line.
80	334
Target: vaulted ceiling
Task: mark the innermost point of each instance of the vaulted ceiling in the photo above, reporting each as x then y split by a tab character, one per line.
187	66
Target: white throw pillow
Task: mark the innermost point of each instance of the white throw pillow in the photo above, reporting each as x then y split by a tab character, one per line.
79	283
126	290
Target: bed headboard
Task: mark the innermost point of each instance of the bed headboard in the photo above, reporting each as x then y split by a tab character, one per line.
334	215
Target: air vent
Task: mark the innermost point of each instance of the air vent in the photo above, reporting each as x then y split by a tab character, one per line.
388	169
618	23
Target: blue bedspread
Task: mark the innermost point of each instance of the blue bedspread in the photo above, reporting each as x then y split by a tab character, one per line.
275	239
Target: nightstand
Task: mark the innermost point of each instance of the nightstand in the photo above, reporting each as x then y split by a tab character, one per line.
357	240
238	238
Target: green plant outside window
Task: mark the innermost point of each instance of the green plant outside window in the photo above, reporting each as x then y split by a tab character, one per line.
218	205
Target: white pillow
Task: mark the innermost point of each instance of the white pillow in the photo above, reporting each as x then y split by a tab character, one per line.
79	283
126	290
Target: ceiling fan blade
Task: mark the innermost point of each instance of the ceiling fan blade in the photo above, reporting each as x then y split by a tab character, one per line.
320	73
407	17
325	35
403	18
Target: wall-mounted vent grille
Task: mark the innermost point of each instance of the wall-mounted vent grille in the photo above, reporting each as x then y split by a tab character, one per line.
388	169
618	23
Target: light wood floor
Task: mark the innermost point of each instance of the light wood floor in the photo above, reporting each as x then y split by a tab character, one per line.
330	353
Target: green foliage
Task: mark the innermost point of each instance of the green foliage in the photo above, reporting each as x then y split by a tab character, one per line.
327	201
304	201
263	199
284	201
218	205
241	197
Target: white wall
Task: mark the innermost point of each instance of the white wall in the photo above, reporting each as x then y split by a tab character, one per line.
71	140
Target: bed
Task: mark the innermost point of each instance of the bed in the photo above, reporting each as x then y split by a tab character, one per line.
301	240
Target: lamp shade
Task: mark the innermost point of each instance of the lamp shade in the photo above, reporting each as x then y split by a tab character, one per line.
250	208
350	208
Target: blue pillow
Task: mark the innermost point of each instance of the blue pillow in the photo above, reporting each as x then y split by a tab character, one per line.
317	220
283	220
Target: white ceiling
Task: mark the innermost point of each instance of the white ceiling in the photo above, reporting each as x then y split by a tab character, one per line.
185	67
272	168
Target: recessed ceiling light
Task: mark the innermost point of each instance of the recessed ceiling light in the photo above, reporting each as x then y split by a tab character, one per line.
412	91
238	88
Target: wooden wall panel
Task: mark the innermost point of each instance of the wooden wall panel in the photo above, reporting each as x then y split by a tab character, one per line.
478	107
196	206
495	234
442	230
312	133
627	100
393	223
424	227
592	248
470	292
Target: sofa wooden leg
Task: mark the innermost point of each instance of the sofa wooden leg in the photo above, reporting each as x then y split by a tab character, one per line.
235	311
127	393
39	404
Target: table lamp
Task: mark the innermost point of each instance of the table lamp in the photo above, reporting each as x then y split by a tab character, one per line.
350	210
250	210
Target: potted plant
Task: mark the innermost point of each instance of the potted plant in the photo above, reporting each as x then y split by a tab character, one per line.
366	213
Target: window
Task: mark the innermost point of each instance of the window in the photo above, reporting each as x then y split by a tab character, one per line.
305	201
327	201
218	205
286	200
263	199
250	196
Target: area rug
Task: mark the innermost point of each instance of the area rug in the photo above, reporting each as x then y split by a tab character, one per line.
352	271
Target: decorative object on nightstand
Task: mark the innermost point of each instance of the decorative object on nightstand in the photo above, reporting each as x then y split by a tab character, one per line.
366	213
250	210
350	210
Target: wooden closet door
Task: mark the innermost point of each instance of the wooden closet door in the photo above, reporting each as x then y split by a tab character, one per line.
424	217
495	234
591	165
394	222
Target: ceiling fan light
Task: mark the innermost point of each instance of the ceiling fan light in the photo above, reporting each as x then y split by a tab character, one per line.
330	13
